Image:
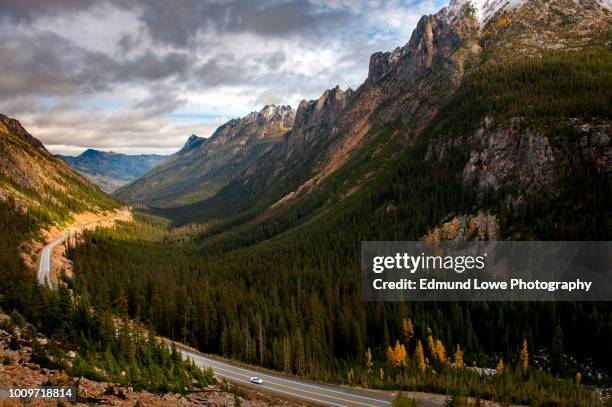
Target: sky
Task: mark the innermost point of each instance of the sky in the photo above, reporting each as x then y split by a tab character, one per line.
141	76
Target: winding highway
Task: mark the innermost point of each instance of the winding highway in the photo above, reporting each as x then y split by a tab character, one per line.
302	390
45	264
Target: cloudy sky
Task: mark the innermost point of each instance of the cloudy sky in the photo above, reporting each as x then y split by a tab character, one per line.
140	77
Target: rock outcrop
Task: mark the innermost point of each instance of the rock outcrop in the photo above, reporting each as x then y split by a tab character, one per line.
192	142
511	156
13	125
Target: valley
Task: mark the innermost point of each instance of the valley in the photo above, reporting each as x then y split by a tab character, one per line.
491	122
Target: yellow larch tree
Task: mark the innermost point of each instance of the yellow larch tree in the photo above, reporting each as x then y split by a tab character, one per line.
500	367
397	355
458	357
420	356
440	351
524	356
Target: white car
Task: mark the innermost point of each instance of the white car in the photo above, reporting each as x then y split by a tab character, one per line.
256	380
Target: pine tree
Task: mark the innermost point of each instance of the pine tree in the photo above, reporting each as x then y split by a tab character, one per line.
500	367
459	357
420	356
408	330
556	350
524	356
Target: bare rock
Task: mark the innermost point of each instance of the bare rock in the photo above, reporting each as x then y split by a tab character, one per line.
511	156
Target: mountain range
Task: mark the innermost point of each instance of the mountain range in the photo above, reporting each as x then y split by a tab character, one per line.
406	93
110	170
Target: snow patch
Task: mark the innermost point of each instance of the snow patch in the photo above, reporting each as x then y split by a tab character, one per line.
487	9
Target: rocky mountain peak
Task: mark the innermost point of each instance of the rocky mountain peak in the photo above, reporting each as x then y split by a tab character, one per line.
192	142
436	34
323	109
15	127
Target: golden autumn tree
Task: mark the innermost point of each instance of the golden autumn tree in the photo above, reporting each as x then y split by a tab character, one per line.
524	356
458	357
500	367
381	374
578	378
369	361
440	351
408	330
397	355
420	356
390	354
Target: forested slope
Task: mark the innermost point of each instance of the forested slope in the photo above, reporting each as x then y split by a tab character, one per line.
38	191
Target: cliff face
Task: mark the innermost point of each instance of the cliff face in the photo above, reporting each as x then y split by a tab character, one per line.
204	165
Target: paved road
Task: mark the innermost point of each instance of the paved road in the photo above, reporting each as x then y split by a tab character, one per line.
44	267
294	388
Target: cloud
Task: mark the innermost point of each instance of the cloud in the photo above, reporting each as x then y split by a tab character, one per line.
128	75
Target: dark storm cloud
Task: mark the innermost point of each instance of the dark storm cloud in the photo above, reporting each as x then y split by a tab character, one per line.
45	63
25	10
179	23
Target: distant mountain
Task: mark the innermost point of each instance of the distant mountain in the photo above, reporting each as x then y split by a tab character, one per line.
203	166
36	182
111	170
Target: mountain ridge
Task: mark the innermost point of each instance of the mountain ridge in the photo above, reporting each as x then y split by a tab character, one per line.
40	183
204	165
